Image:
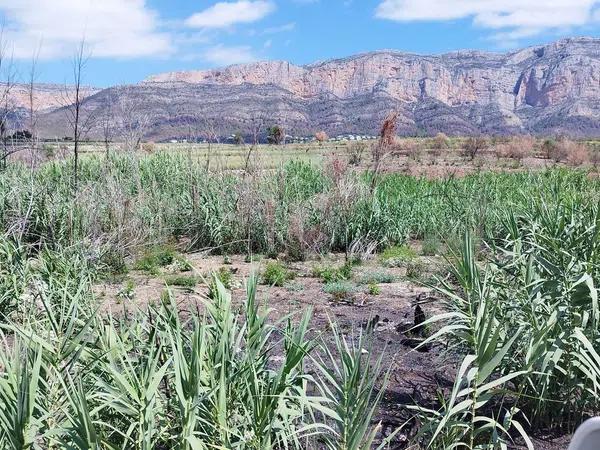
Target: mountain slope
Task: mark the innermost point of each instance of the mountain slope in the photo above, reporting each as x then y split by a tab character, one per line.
553	88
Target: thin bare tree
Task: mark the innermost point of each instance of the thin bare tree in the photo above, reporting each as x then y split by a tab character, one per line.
33	109
256	126
107	122
133	120
7	107
211	133
79	120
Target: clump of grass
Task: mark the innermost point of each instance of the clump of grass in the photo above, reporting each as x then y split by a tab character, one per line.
276	274
181	264
430	247
373	289
340	290
127	292
113	265
224	276
398	256
294	287
331	274
187	282
377	277
415	270
155	258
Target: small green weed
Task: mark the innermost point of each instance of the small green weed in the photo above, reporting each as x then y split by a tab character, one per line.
187	282
398	256
276	274
127	292
377	277
340	290
374	289
330	274
154	259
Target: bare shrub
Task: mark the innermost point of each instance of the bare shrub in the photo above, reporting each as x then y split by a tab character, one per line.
414	151
475	145
516	148
148	147
549	148
440	142
387	139
595	157
577	153
321	137
356	152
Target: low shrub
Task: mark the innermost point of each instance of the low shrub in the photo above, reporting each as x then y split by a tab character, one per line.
127	292
414	270
397	256
275	274
430	247
377	277
185	281
330	274
340	290
373	289
154	259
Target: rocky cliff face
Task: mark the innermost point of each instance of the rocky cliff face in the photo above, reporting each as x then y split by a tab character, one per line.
553	88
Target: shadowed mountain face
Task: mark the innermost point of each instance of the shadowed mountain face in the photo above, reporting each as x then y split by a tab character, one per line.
548	89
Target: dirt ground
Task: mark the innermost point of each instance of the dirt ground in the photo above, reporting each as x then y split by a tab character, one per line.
416	374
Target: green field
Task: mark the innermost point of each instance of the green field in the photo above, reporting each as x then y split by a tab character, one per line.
507	262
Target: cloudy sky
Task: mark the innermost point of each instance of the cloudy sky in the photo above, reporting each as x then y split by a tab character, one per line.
130	39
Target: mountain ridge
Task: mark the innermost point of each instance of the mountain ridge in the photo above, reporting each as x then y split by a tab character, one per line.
543	89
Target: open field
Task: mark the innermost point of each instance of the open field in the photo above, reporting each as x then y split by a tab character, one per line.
296	297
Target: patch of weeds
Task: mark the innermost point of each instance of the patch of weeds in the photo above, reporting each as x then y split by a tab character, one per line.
377	277
252	258
225	276
415	270
275	274
339	290
398	256
188	282
181	264
330	274
127	292
154	259
294	287
373	289
430	247
113	266
227	260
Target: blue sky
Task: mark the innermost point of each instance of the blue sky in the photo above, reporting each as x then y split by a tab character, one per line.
131	39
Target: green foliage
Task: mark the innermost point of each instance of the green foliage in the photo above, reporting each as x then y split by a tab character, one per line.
75	379
154	259
276	274
377	277
398	256
430	247
340	290
332	274
127	292
185	281
373	289
527	322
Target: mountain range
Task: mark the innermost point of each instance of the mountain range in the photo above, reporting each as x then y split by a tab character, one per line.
543	90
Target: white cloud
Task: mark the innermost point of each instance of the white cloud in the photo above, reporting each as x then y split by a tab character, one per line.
221	55
224	14
510	18
112	28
